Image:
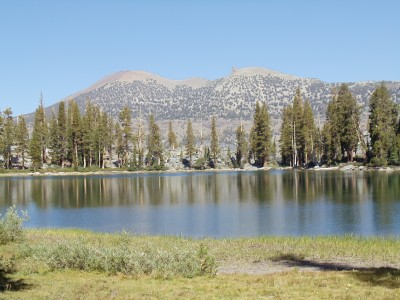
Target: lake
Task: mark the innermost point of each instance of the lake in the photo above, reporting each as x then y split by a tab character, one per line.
217	204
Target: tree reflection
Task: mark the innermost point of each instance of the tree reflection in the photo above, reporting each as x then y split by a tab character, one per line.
332	197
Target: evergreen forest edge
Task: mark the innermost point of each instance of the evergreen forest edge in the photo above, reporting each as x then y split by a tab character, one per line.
70	139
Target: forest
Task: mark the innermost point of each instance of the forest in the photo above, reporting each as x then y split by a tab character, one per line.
74	139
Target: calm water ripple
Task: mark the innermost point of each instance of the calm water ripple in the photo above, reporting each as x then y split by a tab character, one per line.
215	204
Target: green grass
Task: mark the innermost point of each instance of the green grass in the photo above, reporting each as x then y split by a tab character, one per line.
376	274
71	284
372	250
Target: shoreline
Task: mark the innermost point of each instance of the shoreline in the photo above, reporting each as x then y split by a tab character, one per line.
123	172
345	168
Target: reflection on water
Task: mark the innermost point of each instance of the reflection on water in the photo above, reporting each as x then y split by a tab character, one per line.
216	204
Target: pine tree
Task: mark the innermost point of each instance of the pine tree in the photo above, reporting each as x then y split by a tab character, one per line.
119	144
22	138
190	141
140	136
318	144
36	144
40	129
382	125
53	139
181	155
395	149
350	130
1	133
154	144
89	123
104	138
260	136
214	147
62	134
309	134
341	130
171	137
133	163
286	139
299	134
125	118
297	138
228	157
242	146
74	132
330	134
8	136
273	150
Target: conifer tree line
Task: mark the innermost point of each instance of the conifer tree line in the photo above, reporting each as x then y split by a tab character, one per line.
300	141
73	139
340	139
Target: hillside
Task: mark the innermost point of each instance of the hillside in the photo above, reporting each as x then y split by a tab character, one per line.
230	98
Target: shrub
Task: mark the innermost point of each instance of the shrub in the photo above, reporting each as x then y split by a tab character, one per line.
156	168
125	258
202	163
7	265
11	229
378	162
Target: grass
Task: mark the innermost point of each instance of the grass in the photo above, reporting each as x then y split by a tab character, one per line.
374	250
70	264
71	284
369	249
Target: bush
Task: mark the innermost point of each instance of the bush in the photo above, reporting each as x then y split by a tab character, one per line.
202	163
125	258
378	162
11	229
156	168
7	265
133	168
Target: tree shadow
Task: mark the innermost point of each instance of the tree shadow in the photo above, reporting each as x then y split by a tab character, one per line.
383	276
9	284
378	276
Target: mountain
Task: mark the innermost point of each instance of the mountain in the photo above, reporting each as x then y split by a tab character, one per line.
230	98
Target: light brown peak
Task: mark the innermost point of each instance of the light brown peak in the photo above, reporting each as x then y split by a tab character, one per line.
251	71
131	76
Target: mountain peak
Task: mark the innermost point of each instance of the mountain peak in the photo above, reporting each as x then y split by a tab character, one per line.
252	71
143	76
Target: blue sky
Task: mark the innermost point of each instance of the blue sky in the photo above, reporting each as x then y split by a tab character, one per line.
61	47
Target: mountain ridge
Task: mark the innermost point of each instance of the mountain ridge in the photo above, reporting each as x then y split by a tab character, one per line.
229	98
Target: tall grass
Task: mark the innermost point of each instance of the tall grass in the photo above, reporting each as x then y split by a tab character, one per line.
123	257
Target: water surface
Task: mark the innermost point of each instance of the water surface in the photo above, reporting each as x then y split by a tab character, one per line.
218	204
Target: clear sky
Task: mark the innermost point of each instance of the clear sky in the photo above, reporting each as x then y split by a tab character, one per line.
61	47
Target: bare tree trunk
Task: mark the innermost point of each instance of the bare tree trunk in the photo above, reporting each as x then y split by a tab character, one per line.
294	147
84	159
102	162
76	155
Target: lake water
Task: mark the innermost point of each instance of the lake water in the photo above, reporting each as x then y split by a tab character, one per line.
218	204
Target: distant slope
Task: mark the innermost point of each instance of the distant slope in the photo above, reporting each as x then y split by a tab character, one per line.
229	98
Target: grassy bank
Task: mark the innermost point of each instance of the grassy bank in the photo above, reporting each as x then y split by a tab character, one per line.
75	264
